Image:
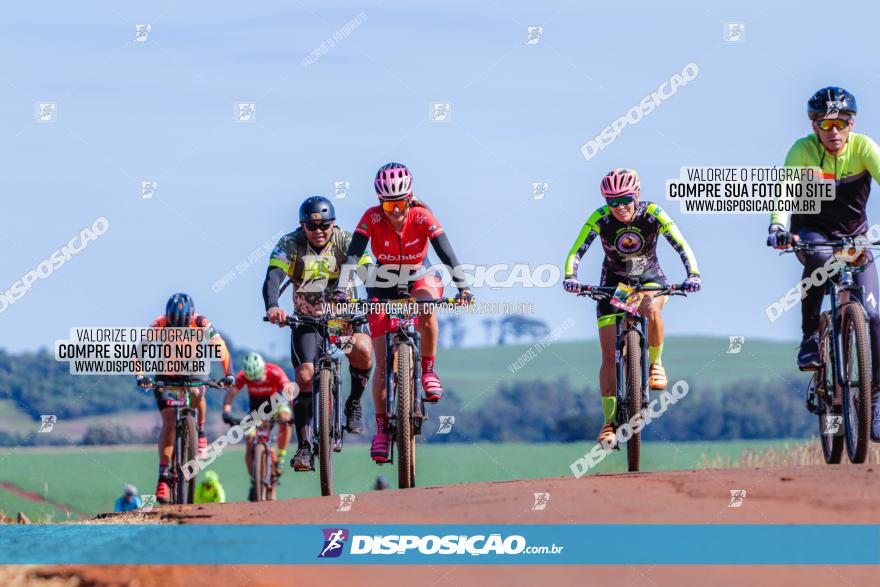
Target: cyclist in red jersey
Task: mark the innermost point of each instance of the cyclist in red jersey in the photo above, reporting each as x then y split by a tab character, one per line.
399	229
180	313
262	380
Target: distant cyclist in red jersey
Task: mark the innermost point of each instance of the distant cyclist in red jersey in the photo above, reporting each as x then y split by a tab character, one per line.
262	380
399	230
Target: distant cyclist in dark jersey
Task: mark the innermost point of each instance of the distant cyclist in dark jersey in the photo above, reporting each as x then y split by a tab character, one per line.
262	380
180	313
628	229
399	230
852	160
311	257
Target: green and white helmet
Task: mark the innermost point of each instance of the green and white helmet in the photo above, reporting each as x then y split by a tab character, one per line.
254	366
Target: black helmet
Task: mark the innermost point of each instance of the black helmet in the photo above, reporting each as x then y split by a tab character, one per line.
317	208
830	102
179	310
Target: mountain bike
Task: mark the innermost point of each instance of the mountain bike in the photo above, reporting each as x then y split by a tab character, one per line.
404	404
327	429
839	392
263	475
186	434
631	355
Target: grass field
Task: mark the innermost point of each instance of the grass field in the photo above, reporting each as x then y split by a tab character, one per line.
477	372
89	479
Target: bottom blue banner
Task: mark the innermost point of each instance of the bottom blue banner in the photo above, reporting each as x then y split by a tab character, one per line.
440	544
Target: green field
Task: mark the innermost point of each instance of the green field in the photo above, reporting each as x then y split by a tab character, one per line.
475	373
89	479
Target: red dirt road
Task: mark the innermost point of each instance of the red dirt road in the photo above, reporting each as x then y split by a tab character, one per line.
805	495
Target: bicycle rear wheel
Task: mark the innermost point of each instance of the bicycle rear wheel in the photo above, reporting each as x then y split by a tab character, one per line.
857	382
188	443
830	418
406	441
325	430
633	358
259	474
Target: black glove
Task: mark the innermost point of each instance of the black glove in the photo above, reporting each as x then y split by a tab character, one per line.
227	381
465	296
778	237
143	381
230	419
340	296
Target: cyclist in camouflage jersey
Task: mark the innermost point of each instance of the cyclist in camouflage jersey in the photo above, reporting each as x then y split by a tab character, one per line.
311	257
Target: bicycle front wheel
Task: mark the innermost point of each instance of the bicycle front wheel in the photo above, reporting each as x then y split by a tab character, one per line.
633	357
325	430
830	418
259	476
857	382
188	443
406	441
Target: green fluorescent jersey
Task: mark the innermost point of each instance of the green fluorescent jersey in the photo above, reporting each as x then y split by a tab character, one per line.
852	171
631	248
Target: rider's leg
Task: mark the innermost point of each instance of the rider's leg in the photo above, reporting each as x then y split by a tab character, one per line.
651	309
608	376
249	454
811	304
429	287
284	421
378	343
166	439
360	362
202	404
381	445
302	405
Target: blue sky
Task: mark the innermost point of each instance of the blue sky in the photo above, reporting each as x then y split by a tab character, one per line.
162	110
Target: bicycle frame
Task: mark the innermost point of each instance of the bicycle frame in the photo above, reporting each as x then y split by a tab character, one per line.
326	359
627	323
404	335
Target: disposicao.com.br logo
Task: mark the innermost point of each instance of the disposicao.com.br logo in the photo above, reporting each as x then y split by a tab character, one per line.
431	544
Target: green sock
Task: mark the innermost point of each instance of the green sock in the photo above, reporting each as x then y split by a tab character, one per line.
654	353
609	408
281	453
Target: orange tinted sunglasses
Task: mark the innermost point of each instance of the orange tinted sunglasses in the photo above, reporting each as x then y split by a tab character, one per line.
392	205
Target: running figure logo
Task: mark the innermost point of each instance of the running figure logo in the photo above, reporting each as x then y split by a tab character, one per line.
831	425
734	32
341	189
540	189
334	540
737	497
736	343
47	422
541	500
142	32
446	423
346	500
535	34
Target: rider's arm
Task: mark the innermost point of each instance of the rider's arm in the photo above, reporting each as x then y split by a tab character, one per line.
356	250
214	338
272	286
585	237
669	230
869	153
444	251
231	393
798	156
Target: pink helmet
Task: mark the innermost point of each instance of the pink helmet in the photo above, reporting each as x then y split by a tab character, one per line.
393	182
620	181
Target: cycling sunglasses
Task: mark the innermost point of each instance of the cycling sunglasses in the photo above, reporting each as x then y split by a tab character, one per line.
827	124
620	200
392	205
313	227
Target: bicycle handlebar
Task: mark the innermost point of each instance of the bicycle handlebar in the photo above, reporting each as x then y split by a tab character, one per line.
602	292
293	320
148	383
